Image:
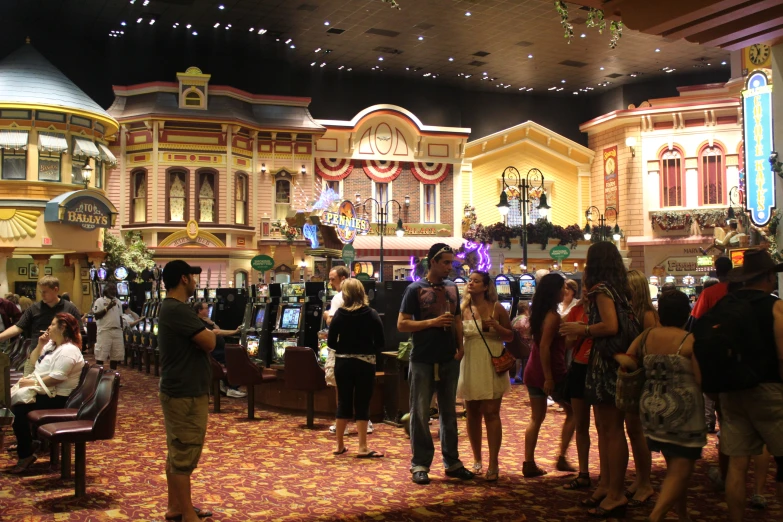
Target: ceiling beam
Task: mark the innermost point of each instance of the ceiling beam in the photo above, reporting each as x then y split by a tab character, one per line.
740	28
668	15
769	37
733	16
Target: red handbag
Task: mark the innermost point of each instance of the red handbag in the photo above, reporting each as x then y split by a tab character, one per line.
502	363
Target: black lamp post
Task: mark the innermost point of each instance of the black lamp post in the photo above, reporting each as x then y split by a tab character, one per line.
383	214
533	180
588	233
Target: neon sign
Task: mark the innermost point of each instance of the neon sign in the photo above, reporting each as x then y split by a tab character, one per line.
346	222
310	232
757	130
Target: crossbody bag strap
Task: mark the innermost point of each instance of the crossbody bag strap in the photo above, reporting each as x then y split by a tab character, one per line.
46	390
481	334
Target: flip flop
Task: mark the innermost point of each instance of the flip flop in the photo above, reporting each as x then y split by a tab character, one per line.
23	465
370	455
340	452
200	513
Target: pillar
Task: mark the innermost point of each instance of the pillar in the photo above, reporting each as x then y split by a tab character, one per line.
76	288
40	261
5	255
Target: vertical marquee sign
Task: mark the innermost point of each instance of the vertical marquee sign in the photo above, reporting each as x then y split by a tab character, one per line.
611	188
757	130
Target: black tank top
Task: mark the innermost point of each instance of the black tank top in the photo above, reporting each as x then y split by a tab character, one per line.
762	304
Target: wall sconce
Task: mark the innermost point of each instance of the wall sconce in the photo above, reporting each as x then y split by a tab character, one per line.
407	201
304	169
86	175
630	142
358	198
263	168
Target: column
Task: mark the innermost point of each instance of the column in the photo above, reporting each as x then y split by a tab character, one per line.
40	261
158	214
5	255
76	289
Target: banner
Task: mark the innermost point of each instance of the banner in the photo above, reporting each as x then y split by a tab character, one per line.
382	171
430	173
757	136
611	189
333	169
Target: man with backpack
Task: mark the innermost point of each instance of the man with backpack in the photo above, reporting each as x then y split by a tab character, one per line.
739	348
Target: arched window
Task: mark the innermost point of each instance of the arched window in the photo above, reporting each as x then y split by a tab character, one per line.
712	176
282	198
207	192
193	99
139	196
240	199
672	179
240	279
177	196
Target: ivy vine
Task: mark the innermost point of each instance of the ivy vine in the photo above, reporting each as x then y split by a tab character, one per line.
392	3
562	10
595	19
616	28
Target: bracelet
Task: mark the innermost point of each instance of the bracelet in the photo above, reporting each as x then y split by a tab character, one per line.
587	330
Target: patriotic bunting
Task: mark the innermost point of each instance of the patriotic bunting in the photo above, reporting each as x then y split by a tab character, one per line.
333	169
382	171
430	173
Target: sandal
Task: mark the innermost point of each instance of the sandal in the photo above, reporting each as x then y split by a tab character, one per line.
634	503
23	464
615	512
592	501
492	475
477	467
200	513
530	470
340	452
370	455
580	482
564	465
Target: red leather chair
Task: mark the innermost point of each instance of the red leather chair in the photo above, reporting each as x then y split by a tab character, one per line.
97	420
244	372
218	374
303	373
81	395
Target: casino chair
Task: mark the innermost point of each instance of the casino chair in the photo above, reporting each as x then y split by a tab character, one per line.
96	420
218	374
303	373
244	372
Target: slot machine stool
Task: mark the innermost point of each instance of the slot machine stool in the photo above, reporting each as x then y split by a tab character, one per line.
244	372
219	373
303	373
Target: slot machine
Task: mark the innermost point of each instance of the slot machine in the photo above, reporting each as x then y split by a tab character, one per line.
299	317
387	303
507	293
211	298
198	296
264	321
369	291
230	307
460	282
527	287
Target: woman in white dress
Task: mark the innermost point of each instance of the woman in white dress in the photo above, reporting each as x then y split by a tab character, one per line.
486	326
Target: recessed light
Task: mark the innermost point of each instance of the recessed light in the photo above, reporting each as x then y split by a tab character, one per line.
560	89
552	88
602	68
350	69
293	46
530	89
468	76
132	2
562	81
583	35
188	26
709	64
485	74
252	29
421	38
451	59
152	22
467	13
217	24
312	64
146	3
576	93
657	50
323	64
194	33
288	41
176	24
326	22
138	21
521	88
317	50
407	68
723	63
228	26
261	31
221	7
341	68
123	23
529	55
380	58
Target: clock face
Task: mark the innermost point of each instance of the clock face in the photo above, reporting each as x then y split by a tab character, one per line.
758	53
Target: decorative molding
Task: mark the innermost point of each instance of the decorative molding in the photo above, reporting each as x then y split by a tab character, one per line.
18	224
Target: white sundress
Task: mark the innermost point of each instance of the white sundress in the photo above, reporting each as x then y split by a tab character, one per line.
478	380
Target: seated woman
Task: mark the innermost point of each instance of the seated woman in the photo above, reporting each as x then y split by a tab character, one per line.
59	366
671	404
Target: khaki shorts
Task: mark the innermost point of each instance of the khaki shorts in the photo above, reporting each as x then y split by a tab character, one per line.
110	345
185	419
751	419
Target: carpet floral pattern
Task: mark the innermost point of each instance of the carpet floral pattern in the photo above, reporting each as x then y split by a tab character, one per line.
273	469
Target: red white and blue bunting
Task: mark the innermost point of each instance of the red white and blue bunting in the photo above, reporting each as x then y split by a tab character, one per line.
333	169
382	171
430	173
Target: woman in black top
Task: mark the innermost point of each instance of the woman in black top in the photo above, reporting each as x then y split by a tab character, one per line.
356	336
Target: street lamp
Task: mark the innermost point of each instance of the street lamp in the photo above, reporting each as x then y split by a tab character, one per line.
86	175
383	214
533	180
588	232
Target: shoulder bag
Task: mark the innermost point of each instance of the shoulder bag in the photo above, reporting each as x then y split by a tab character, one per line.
28	394
505	361
404	350
631	384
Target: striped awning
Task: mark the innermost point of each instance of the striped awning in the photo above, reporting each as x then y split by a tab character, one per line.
82	148
13	140
52	142
106	155
406	246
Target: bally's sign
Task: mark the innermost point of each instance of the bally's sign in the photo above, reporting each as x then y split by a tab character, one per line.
757	129
87	212
346	222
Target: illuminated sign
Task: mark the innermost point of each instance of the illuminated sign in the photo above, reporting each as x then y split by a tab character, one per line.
737	257
704	261
757	129
310	232
87	212
346	222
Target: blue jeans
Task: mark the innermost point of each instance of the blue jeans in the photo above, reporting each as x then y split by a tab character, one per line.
423	385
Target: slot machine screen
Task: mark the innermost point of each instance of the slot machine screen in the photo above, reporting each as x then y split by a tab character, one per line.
200	293
260	316
145	309
506	305
162	295
147	295
503	287
122	289
460	287
209	313
148	327
252	346
290	320
527	285
212	293
155	329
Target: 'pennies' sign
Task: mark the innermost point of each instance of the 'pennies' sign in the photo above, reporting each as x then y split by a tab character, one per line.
89	213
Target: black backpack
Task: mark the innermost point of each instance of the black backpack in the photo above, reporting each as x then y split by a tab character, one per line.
726	343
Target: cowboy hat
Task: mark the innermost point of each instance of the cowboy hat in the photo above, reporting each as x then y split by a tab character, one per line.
756	262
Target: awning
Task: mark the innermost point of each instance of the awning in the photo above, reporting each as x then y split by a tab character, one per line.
82	147
106	155
52	142
406	246
13	140
86	208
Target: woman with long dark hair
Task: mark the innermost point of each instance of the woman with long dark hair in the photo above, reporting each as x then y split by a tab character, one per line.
58	367
546	369
609	294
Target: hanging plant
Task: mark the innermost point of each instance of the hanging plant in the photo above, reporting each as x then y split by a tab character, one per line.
616	30
392	3
777	166
562	10
595	18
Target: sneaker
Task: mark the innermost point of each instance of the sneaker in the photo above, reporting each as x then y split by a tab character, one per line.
421	478
716	479
333	429
460	473
235	393
550	402
223	388
370	429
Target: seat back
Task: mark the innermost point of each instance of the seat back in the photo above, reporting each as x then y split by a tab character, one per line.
5	380
86	390
102	408
217	369
302	371
241	370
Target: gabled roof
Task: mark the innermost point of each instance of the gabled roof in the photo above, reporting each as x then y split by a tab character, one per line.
27	78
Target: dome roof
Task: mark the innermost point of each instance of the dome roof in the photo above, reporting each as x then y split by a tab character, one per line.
26	77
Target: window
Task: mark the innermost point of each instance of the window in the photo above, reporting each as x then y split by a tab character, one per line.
672	181
334	185
207	197
177	190
514	217
139	196
193	99
712	173
282	198
76	172
14	163
430	204
382	192
49	166
240	279
240	200
98	174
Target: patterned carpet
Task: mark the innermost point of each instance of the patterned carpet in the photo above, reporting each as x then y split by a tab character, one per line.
272	469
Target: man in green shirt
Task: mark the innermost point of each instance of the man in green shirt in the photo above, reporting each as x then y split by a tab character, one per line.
185	376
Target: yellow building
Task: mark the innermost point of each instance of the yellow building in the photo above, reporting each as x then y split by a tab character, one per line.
53	209
565	167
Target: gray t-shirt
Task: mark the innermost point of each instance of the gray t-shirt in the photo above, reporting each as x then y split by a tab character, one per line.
425	301
184	367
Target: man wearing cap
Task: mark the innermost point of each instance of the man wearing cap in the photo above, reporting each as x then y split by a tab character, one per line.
185	377
430	311
753	418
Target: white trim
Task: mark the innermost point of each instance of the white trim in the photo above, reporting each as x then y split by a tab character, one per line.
539	146
539	128
395	108
389	196
422	203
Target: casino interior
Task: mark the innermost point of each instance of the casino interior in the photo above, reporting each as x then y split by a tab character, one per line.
268	143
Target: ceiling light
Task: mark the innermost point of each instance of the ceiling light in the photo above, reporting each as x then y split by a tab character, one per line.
146	3
288	41
350	69
123	23
152	22
602	68
467	13
562	81
138	21
252	29
507	86
657	50
576	93
672	70
468	76
194	33
176	24
633	75
583	35
723	63
451	59
322	64
407	68
326	22
216	25
318	50
221	7
341	68
530	89
188	26
529	55
312	64
132	2
485	74
427	74
122	32
293	46
521	88
262	31
228	26
560	89
421	38
380	58
552	88
709	64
